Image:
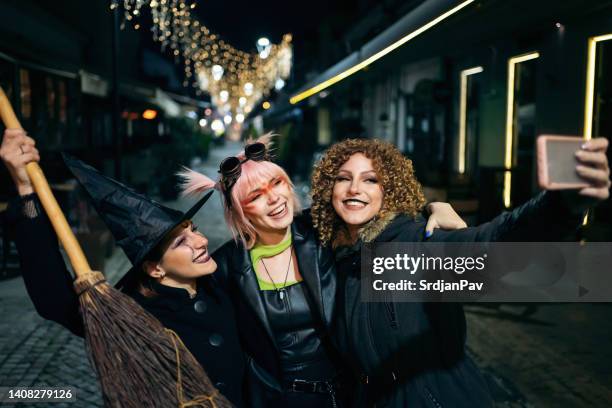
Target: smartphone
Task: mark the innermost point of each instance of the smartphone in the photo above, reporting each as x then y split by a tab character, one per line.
557	162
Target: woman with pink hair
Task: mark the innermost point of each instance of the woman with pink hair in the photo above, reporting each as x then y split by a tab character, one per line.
282	282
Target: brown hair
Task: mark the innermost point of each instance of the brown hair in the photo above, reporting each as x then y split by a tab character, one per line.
402	193
144	281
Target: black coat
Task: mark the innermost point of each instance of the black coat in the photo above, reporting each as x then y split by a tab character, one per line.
205	324
316	265
414	353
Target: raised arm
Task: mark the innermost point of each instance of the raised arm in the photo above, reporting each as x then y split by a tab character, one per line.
48	282
552	215
546	217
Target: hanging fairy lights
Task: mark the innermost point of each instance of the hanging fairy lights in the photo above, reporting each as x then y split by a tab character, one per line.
236	80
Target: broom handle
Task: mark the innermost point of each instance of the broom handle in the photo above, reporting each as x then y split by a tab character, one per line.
41	186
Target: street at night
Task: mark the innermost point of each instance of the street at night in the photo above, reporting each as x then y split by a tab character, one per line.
328	134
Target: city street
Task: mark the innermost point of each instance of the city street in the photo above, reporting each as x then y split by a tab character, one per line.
538	355
502	109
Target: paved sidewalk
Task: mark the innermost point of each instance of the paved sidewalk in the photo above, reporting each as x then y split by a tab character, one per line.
36	352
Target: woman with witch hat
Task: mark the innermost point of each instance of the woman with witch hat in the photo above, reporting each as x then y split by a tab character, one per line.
172	274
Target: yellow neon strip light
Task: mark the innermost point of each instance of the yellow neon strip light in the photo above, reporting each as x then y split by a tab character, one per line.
510	122
355	68
589	95
463	114
590	84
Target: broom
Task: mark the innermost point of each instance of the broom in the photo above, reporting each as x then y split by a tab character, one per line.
139	362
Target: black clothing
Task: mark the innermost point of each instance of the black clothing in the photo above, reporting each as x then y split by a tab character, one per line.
261	323
413	354
205	324
293	323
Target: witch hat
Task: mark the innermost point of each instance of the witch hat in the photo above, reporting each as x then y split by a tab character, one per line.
137	222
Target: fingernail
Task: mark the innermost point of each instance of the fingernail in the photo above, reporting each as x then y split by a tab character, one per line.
428	234
584	146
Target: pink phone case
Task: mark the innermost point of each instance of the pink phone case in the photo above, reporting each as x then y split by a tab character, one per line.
550	169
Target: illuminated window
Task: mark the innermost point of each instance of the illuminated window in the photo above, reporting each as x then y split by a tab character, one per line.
598	87
468	120
520	128
598	106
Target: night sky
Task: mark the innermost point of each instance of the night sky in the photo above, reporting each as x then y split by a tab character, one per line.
241	23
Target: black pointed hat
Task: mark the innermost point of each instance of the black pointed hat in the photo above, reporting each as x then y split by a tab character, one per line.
138	223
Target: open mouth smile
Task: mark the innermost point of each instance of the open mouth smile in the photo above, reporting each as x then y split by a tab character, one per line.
354	204
279	211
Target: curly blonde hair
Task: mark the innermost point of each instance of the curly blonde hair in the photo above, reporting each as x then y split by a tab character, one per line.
402	193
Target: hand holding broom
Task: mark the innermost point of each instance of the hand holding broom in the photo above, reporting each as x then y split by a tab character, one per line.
138	361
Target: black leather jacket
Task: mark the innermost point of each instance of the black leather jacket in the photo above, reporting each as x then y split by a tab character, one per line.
316	265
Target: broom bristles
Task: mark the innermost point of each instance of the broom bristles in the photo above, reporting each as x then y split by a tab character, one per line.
139	362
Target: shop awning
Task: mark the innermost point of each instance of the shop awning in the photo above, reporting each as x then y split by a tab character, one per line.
422	18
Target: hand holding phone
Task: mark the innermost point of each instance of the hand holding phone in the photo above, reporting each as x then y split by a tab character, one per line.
570	162
557	162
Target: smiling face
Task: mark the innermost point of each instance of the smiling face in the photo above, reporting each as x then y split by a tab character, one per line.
357	195
269	205
186	257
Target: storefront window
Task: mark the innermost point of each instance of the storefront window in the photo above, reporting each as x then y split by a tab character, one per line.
468	120
602	115
524	131
519	175
424	123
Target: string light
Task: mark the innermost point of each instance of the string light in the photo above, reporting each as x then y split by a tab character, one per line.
236	80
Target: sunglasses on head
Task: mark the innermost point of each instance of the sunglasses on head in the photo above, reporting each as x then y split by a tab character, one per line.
231	167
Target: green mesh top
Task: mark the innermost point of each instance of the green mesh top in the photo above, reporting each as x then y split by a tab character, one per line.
266	251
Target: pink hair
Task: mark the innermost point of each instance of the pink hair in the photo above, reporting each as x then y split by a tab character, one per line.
194	183
253	174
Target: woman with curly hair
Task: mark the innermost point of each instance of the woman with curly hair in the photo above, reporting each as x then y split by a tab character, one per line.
413	354
283	285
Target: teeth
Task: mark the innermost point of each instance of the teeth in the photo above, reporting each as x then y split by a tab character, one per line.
354	203
280	209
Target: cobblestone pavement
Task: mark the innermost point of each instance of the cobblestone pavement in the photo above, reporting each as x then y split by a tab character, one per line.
536	356
36	352
557	355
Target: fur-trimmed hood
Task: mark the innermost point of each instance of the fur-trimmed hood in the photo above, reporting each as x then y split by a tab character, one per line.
367	233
